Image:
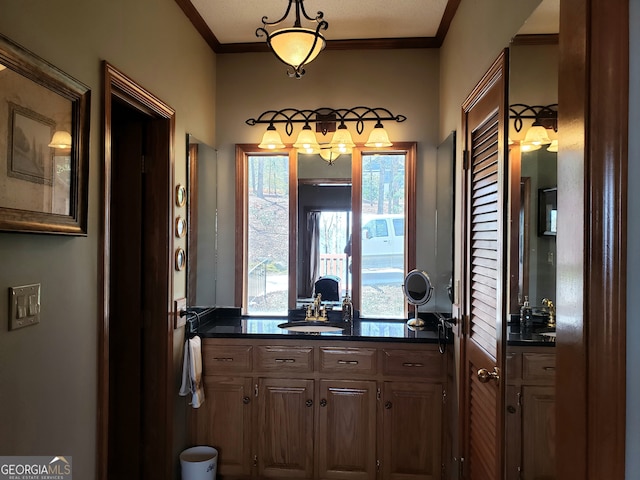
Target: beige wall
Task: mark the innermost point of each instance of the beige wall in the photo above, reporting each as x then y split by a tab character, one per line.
403	81
48	371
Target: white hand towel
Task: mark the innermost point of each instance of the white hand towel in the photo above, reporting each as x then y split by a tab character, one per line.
192	372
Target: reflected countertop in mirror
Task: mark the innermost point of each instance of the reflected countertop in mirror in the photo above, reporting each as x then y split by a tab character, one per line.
228	323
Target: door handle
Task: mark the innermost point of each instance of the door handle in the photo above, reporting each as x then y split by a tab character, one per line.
485	375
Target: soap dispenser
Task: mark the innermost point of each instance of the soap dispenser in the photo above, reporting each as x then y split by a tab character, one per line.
526	317
347	309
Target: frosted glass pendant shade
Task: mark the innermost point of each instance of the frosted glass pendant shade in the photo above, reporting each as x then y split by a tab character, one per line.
271	139
328	155
553	147
342	141
378	137
292	45
536	135
307	142
61	139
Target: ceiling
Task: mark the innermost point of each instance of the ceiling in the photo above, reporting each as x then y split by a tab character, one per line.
229	26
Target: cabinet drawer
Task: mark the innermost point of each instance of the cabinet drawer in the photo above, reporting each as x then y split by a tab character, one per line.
354	360
538	366
220	359
280	358
412	363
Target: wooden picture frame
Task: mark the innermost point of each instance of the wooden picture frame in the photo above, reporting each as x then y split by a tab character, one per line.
44	139
547	211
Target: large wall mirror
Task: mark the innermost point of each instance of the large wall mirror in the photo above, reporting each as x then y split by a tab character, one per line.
202	211
300	218
533	216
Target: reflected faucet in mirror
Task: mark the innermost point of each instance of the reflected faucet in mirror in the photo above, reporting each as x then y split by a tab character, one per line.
551	310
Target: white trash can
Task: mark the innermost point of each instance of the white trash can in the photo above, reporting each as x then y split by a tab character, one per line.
199	463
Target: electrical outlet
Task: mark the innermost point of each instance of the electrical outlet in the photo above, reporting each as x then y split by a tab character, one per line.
24	306
178	306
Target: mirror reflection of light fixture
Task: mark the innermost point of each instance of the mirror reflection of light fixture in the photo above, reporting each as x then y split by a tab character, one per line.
544	118
271	139
329	155
60	139
2	67
326	119
295	46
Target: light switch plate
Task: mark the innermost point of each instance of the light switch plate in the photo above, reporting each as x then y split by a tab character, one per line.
179	305
24	306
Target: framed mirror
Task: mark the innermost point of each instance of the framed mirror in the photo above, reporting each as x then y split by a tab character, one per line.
44	128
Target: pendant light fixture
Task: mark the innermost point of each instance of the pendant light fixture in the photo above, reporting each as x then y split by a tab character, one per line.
271	139
295	46
378	137
307	141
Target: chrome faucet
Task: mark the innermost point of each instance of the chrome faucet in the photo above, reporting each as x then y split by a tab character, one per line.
551	322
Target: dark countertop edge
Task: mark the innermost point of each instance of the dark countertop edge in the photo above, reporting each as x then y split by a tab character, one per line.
210	316
325	338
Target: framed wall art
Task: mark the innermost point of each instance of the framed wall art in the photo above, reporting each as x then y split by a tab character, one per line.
44	156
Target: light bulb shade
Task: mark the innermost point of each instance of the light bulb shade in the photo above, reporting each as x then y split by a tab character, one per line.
529	147
271	139
296	46
60	139
329	155
307	141
536	135
341	142
378	137
553	146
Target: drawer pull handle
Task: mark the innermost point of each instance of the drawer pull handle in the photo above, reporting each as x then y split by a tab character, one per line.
285	360
348	362
223	359
309	403
549	369
246	400
323	402
411	364
388	405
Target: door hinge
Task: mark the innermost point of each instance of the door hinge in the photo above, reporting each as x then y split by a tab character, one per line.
444	396
519	395
461	468
255	460
377	465
255	390
465	160
378	394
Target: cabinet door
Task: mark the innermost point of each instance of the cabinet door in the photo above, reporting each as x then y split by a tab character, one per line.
347	429
224	422
412	426
538	432
285	424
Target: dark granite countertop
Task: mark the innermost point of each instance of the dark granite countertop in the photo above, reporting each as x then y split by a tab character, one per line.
534	337
225	322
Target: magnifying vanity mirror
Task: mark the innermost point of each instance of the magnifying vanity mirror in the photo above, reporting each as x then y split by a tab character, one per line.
418	290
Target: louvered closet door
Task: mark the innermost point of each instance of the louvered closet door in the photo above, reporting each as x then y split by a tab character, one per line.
484	277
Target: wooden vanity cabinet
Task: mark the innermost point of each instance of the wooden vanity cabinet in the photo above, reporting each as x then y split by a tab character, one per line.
530	416
314	409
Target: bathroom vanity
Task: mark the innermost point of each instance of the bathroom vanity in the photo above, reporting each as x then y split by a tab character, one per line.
365	403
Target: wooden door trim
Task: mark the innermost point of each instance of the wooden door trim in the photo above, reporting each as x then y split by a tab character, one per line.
593	123
118	85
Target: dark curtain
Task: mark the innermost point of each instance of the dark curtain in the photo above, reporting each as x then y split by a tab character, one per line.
311	241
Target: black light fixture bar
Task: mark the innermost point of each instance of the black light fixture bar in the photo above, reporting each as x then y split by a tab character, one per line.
357	115
543	115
